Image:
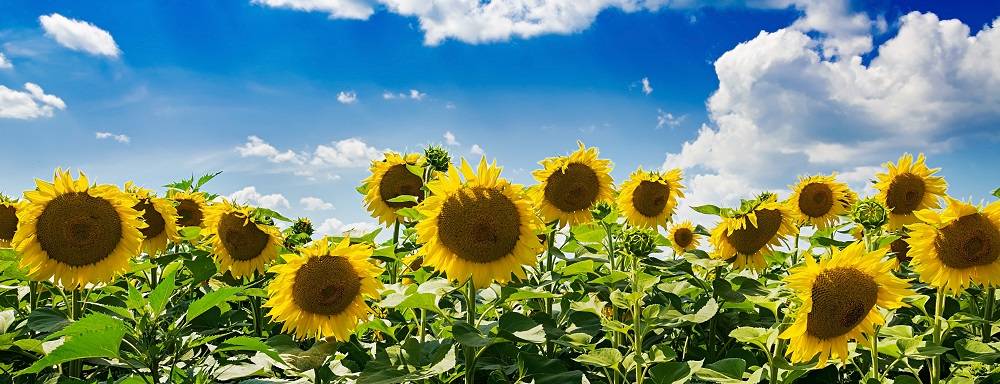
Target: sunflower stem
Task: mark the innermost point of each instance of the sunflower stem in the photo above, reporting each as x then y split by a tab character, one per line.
470	315
255	311
550	240
988	314
394	265
421	332
874	352
75	367
637	320
33	295
936	336
616	336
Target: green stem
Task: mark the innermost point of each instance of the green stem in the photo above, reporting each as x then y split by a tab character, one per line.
421	332
637	321
33	295
550	240
470	314
988	310
616	336
937	336
874	352
394	265
75	312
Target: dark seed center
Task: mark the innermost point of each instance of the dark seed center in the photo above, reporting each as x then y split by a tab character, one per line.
242	240
970	241
816	199
479	225
574	189
188	213
683	237
8	222
901	249
905	194
842	298
399	181
326	285
650	198
154	220
79	229
751	239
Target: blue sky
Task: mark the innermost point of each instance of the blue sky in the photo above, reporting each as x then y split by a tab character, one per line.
157	91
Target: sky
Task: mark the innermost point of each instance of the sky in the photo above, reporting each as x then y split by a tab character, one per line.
291	99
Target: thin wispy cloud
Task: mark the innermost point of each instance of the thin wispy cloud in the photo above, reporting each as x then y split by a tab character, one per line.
116	137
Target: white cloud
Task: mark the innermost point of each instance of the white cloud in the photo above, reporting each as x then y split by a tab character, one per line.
450	105
668	119
121	138
347	97
79	35
646	88
339	9
249	195
347	153
793	102
4	63
412	94
477	150
417	95
314	204
32	103
335	227
449	138
257	147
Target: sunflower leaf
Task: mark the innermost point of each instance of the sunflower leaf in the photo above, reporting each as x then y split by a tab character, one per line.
708	209
210	300
96	335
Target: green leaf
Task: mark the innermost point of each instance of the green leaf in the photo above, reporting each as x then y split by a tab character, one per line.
403	199
752	335
731	368
96	335
708	209
602	357
580	267
674	372
468	335
190	233
270	213
522	328
202	267
410	213
246	343
205	179
160	295
996	193
46	320
704	314
210	300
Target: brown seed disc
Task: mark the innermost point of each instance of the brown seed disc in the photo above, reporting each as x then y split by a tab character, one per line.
683	237
905	194
479	225
154	220
970	241
816	199
750	239
79	229
242	241
900	248
842	298
399	181
649	198
188	213
325	285
8	222
574	189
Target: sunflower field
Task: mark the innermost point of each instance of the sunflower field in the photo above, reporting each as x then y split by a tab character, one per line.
474	279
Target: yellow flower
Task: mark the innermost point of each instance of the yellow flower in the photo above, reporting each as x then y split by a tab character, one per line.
8	219
239	244
481	228
743	239
391	178
76	233
840	296
819	200
160	217
321	292
907	187
571	185
648	198
191	207
957	246
683	238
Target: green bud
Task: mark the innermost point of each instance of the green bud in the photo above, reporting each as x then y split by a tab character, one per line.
438	158
601	210
870	214
303	225
639	242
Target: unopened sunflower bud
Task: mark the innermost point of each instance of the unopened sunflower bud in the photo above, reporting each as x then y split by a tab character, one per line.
438	158
601	210
639	242
870	213
303	225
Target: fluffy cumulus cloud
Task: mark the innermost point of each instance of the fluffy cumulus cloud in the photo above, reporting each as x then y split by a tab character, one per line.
257	147
335	227
449	138
4	62
801	100
32	103
348	153
412	94
311	203
646	88
347	97
314	164
79	35
477	150
121	138
249	195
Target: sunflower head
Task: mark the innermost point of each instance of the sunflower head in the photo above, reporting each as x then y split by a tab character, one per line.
819	200
569	186
392	178
321	291
159	215
870	214
8	219
191	207
756	228
478	225
957	246
683	238
76	233
648	198
840	296
437	158
909	186
241	242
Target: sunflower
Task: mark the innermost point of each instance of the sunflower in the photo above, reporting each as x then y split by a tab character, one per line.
820	200
239	243
648	198
191	207
76	233
907	187
957	246
839	297
391	178
571	185
483	227
683	238
8	219
160	217
743	239
321	291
